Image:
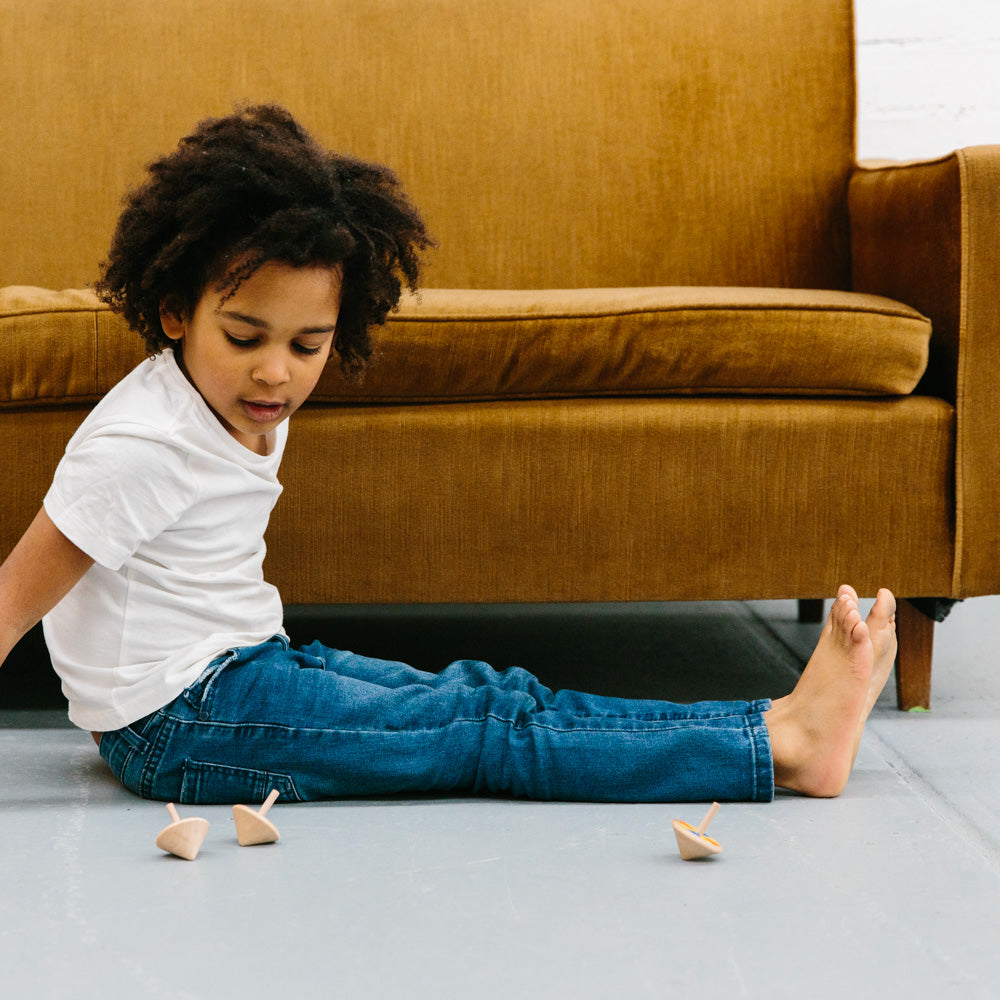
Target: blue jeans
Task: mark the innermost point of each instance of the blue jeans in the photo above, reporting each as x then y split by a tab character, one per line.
319	723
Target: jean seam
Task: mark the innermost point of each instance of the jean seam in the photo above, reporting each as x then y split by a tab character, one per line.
154	756
121	769
682	724
761	762
666	724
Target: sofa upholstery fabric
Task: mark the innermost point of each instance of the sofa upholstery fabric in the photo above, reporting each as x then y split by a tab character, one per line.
550	144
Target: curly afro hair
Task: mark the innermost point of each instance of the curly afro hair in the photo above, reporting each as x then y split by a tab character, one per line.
255	187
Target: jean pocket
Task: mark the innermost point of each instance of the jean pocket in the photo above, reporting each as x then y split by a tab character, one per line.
204	783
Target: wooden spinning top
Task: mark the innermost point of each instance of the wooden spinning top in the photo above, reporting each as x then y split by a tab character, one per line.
693	843
251	827
184	836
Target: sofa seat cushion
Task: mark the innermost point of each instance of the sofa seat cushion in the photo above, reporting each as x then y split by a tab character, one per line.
484	344
445	344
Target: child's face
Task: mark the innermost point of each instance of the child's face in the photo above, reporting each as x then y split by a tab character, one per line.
257	356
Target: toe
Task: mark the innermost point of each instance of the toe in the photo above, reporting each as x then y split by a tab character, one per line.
884	608
842	607
856	627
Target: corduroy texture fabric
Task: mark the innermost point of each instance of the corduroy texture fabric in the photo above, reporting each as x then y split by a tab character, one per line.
465	345
660	499
927	231
549	143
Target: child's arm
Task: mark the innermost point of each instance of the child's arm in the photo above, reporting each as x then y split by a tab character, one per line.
41	570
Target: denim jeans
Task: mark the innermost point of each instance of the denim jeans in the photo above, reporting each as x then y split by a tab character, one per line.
320	723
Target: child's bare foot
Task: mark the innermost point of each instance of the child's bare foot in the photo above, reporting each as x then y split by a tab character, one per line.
881	623
816	730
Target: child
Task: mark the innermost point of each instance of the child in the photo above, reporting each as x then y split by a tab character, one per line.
248	257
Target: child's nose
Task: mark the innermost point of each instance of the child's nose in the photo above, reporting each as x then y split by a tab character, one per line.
271	368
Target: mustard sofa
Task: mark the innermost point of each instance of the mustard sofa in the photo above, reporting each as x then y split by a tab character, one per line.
675	344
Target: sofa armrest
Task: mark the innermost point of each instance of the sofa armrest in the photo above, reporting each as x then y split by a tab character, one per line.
925	233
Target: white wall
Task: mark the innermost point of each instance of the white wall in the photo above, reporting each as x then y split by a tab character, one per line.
928	76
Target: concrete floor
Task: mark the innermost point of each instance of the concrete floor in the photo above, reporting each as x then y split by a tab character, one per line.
891	890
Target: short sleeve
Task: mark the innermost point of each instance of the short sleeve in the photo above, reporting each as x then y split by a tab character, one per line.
113	491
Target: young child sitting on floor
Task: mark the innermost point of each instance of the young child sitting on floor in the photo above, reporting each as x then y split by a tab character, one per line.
246	260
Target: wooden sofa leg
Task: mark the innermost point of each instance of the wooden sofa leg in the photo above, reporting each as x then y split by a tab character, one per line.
915	635
811	611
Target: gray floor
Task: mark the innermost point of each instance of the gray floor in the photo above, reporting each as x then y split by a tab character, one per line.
890	890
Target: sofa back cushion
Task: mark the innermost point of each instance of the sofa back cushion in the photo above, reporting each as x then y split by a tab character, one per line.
550	143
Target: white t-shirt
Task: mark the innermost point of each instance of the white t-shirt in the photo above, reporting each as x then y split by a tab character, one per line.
173	510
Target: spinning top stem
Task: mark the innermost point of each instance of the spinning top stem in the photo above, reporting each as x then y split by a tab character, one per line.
709	816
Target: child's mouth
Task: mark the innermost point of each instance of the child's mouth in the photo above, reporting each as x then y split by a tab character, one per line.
262	412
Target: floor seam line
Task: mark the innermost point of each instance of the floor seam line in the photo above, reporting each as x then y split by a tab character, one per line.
938	804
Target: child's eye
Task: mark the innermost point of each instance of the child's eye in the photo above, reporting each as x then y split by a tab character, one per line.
249	342
237	342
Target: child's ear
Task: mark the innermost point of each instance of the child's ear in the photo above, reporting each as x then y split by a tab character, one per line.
172	320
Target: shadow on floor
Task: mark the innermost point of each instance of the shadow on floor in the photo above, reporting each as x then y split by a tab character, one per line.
674	651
